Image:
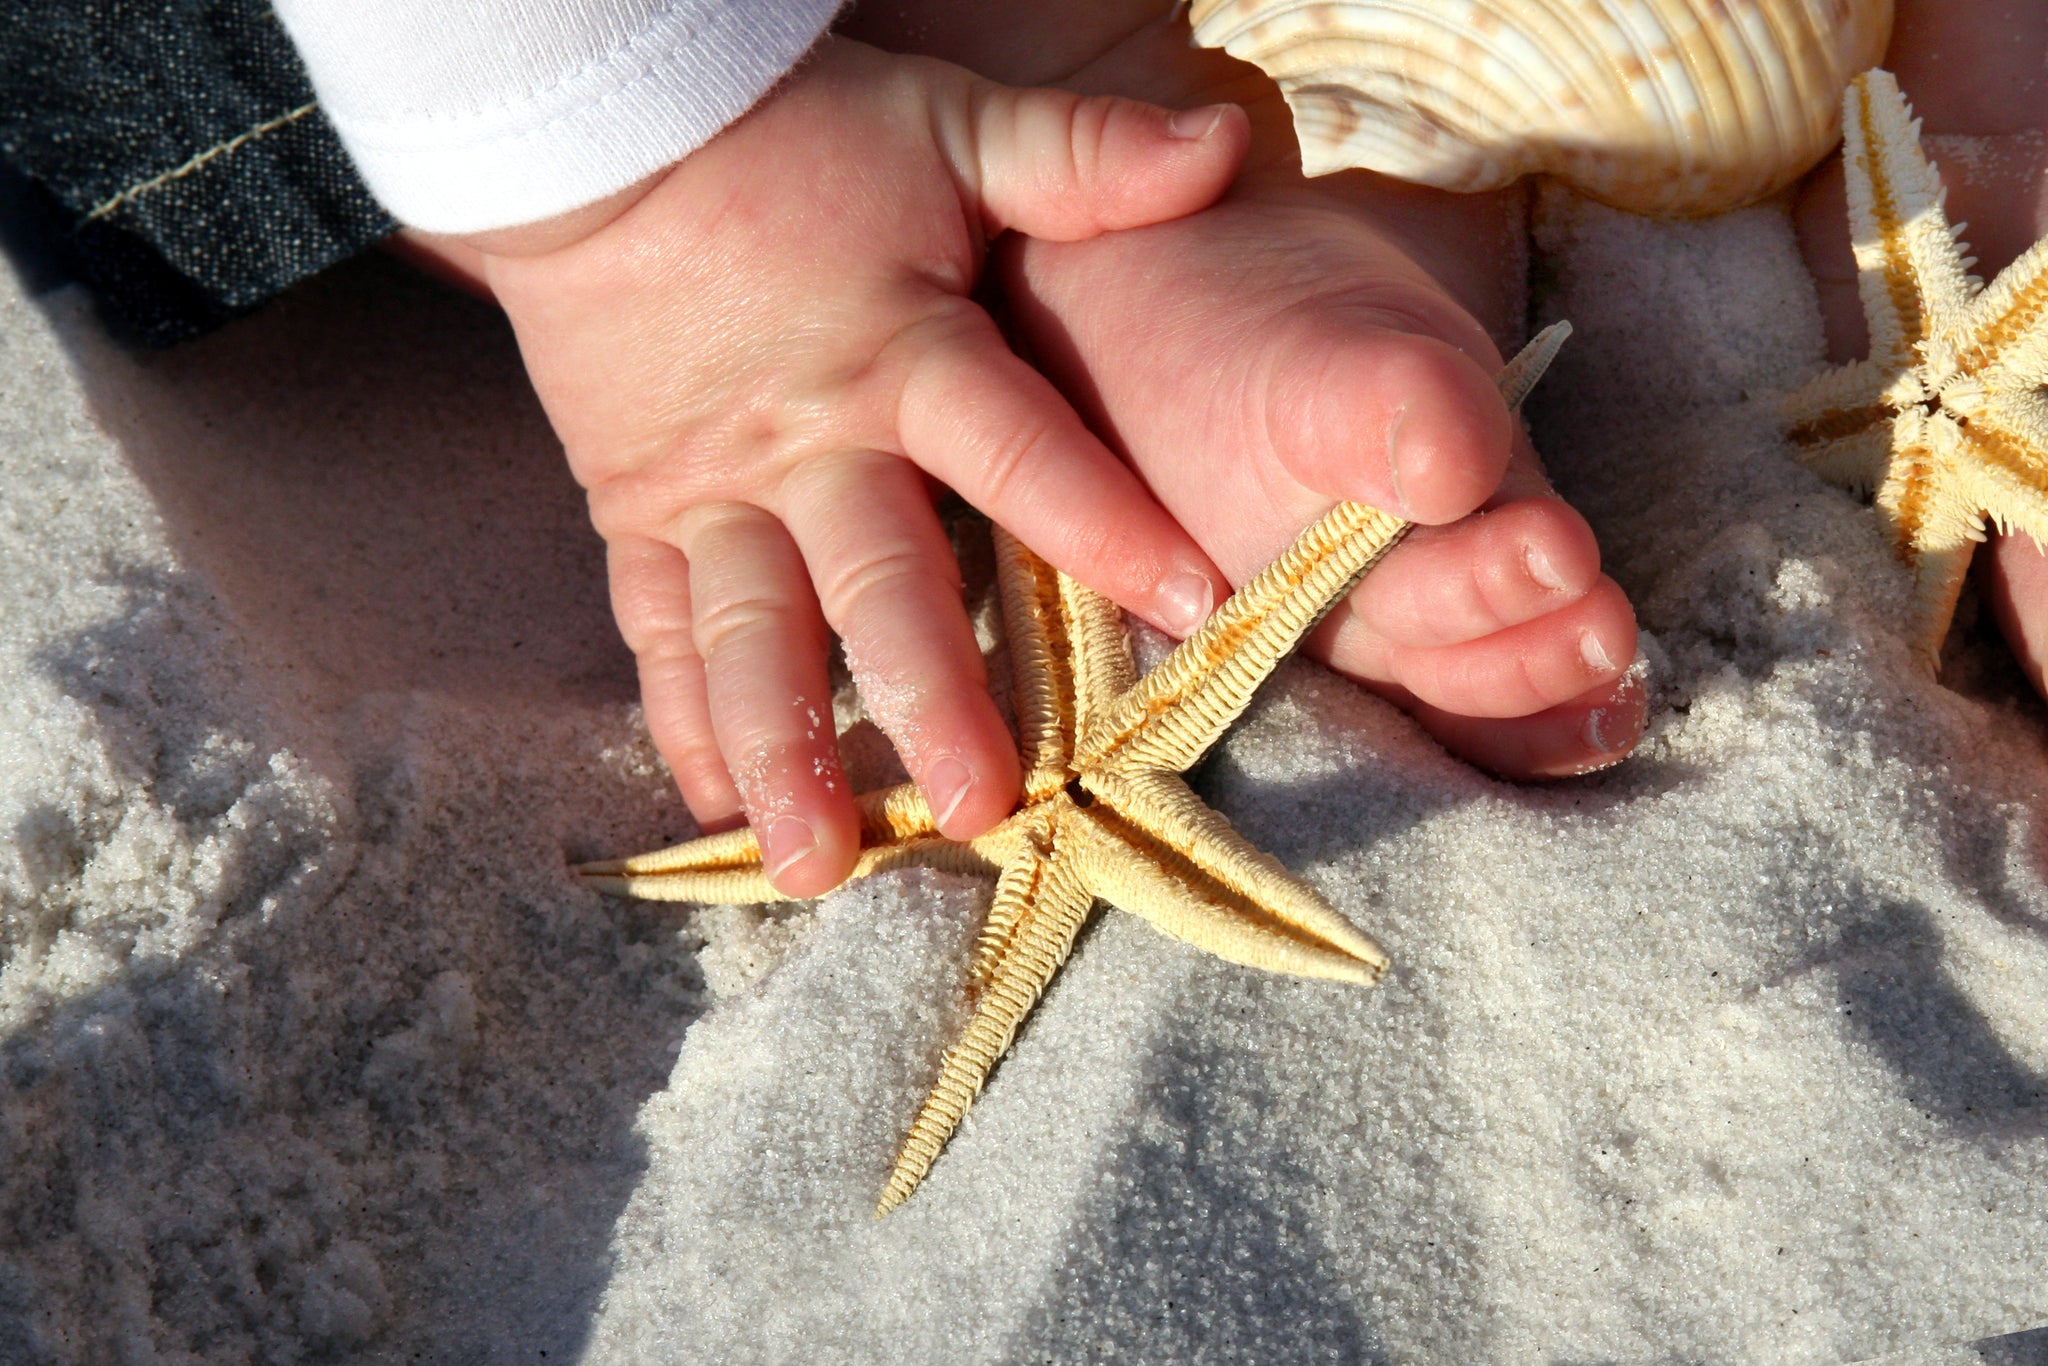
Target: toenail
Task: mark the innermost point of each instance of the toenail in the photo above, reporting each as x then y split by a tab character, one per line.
946	785
1543	571
1594	653
1394	463
788	840
1607	754
1191	124
1184	602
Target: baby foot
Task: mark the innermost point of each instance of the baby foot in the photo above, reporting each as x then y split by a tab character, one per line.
1973	75
1311	340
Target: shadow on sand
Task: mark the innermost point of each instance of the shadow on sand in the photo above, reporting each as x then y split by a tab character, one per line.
380	1106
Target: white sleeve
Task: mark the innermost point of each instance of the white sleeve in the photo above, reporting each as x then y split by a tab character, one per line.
465	115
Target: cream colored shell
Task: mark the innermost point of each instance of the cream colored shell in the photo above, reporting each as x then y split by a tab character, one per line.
1661	106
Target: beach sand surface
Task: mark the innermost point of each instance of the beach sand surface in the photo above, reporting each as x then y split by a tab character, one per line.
311	1049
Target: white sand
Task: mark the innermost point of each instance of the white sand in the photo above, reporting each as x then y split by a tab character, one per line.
310	1049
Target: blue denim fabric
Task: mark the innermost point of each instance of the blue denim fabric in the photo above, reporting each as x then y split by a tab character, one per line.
191	172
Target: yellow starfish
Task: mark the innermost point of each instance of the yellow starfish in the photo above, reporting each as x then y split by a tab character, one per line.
1105	812
1945	419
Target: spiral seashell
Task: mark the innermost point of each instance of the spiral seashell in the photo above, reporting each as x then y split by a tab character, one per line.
1670	107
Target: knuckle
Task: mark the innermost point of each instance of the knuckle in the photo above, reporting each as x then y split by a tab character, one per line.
711	534
1485	605
1087	134
946	321
886	577
615	511
1096	550
924	350
1531	683
706	785
737	621
1503	589
657	635
1008	459
1430	676
653	621
685	741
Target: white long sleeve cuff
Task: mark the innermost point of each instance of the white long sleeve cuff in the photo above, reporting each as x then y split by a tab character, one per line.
467	115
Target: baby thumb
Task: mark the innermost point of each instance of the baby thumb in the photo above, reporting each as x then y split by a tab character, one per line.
1062	167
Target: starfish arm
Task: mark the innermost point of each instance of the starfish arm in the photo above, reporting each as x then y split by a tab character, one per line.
1069	654
1937	582
1840	423
1839	399
1519	377
1857	462
897	831
1934	527
1043	694
1103	669
2003	469
722	869
2004	337
1017	888
1151	847
1909	266
1179	709
1052	903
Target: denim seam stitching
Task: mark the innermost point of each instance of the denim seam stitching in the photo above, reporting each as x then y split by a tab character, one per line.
179	172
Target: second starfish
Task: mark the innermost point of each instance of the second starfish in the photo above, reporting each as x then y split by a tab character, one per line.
1105	812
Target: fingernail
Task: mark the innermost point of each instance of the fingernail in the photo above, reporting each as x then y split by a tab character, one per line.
1596	741
946	785
788	840
1542	570
1184	602
1190	124
1594	653
1394	463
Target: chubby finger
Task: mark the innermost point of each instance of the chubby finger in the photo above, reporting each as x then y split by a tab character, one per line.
1062	166
1511	564
888	583
1518	671
981	420
650	589
755	623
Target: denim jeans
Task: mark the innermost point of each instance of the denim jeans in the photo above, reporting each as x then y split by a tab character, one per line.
192	175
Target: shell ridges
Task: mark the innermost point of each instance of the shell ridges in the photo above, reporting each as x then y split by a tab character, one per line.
1671	107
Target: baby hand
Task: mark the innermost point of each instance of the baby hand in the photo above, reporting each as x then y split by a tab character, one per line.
755	358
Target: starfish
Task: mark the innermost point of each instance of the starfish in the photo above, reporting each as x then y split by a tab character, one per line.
1105	813
1946	419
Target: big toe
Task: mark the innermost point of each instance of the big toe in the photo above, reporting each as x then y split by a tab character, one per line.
1363	398
1256	364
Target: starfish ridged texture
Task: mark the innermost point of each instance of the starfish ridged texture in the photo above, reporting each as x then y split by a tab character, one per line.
1105	813
1946	419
